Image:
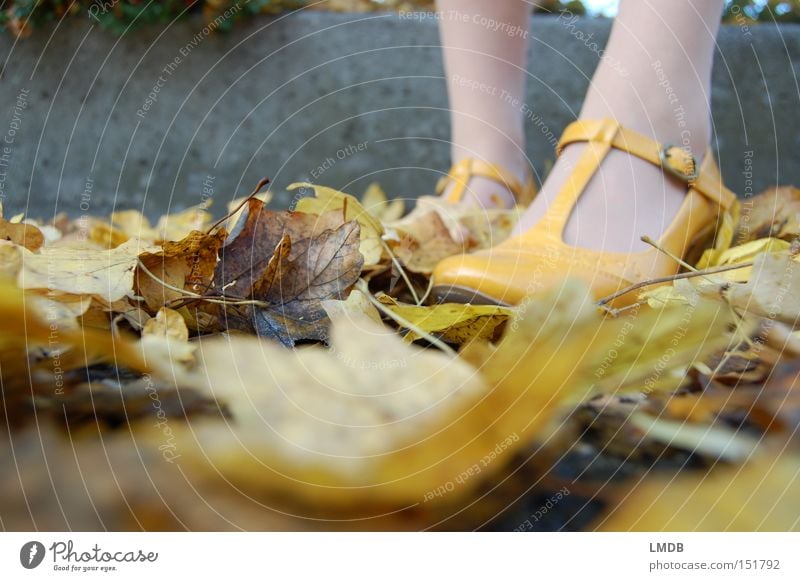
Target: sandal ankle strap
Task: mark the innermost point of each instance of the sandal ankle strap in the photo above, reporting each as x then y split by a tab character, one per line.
673	160
464	170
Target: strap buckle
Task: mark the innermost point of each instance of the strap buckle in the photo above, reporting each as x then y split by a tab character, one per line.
667	156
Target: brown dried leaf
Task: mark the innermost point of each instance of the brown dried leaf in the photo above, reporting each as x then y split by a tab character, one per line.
328	199
774	213
424	242
26	235
188	264
299	277
251	245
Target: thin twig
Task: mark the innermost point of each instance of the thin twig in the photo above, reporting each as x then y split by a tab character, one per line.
617	312
671	278
402	272
191	296
165	284
261	183
427	291
361	285
678	259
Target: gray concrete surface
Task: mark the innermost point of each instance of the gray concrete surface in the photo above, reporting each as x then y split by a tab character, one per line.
162	118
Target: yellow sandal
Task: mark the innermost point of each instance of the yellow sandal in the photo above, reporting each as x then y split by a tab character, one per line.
463	171
539	258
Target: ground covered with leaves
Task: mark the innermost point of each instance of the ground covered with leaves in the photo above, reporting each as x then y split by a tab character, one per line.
289	370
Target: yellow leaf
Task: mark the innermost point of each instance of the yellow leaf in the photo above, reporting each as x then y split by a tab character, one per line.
374	422
763	495
167	333
356	303
60	309
107	274
105	235
773	290
743	253
377	204
179	225
652	350
452	322
664	295
168	324
10	259
24	328
359	422
424	242
128	224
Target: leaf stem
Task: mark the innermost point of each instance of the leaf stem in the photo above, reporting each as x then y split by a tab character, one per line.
261	183
402	271
671	278
361	285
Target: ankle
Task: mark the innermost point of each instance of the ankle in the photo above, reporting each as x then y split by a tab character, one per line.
489	193
669	107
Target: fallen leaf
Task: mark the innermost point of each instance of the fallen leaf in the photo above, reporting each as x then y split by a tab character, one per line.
60	310
356	303
167	331
299	277
107	274
188	265
168	324
26	235
251	245
773	290
739	254
774	213
289	262
473	228
65	347
424	242
127	224
760	496
453	323
326	200
378	205
10	259
365	413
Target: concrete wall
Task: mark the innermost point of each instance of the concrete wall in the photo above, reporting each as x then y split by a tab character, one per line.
337	99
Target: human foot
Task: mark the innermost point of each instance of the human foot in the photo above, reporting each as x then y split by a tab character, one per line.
627	198
539	258
655	79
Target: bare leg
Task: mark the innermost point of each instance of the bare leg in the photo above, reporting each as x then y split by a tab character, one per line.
484	46
655	78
